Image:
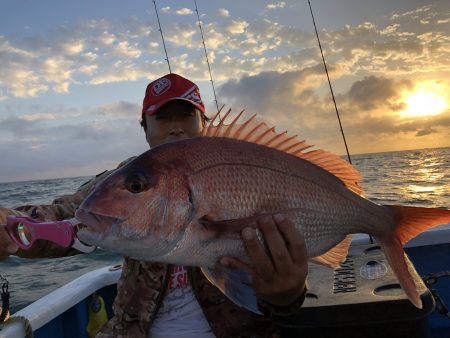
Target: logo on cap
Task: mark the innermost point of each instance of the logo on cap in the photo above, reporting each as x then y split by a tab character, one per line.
193	95
160	86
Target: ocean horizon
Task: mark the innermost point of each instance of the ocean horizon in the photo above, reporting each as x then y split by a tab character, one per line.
344	156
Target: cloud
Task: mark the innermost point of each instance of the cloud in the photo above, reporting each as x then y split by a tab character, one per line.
118	72
426	131
82	52
73	47
224	13
32	118
58	72
79	147
88	69
184	11
213	37
124	48
37	117
391	51
412	13
271	91
107	38
101	51
118	109
281	4
237	27
389	126
165	9
183	35
368	110
373	91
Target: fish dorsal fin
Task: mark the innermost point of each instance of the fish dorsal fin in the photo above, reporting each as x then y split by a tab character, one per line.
335	256
259	132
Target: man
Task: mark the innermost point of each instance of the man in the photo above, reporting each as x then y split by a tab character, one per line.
160	300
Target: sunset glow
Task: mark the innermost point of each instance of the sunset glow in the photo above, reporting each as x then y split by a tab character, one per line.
425	101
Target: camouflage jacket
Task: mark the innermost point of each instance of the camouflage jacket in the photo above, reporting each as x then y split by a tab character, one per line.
142	285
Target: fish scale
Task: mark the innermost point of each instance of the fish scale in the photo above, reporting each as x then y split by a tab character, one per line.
278	190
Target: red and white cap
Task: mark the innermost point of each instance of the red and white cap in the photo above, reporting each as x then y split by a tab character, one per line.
168	88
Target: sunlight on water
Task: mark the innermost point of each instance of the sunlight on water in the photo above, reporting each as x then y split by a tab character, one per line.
418	177
420	189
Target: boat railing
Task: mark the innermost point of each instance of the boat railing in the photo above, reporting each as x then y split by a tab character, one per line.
60	300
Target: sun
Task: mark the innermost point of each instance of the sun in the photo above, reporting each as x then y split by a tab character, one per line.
424	101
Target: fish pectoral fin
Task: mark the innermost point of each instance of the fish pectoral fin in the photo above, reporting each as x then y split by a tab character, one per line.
236	284
336	255
229	225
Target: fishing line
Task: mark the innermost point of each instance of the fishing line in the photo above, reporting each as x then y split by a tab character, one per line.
206	56
329	83
162	37
331	90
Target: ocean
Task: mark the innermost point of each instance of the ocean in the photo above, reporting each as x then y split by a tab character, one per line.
414	177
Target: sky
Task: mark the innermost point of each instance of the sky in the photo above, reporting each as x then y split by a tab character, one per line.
73	74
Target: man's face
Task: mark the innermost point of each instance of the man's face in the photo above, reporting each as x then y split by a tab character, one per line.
174	121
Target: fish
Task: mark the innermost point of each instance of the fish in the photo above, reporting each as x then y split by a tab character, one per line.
185	203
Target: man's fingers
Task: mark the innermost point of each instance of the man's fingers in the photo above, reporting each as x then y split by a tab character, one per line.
12	248
276	244
6	244
294	240
258	255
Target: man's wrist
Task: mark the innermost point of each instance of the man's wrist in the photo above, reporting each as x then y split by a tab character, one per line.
283	311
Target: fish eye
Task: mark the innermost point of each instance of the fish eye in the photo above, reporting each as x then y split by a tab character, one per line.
137	183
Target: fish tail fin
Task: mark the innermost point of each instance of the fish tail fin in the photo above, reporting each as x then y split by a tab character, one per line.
396	257
409	222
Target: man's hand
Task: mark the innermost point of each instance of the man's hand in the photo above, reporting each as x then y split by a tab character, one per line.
279	273
7	246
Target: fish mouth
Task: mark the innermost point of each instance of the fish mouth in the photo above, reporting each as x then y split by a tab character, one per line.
95	222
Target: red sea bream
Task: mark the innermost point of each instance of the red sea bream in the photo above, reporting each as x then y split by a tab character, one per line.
184	202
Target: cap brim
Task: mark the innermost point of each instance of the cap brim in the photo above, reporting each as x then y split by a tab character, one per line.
162	103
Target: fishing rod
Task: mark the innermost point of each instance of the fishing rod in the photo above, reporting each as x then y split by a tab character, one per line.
204	48
162	37
332	93
206	56
329	83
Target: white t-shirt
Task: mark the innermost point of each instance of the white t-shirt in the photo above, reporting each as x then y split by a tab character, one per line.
180	315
